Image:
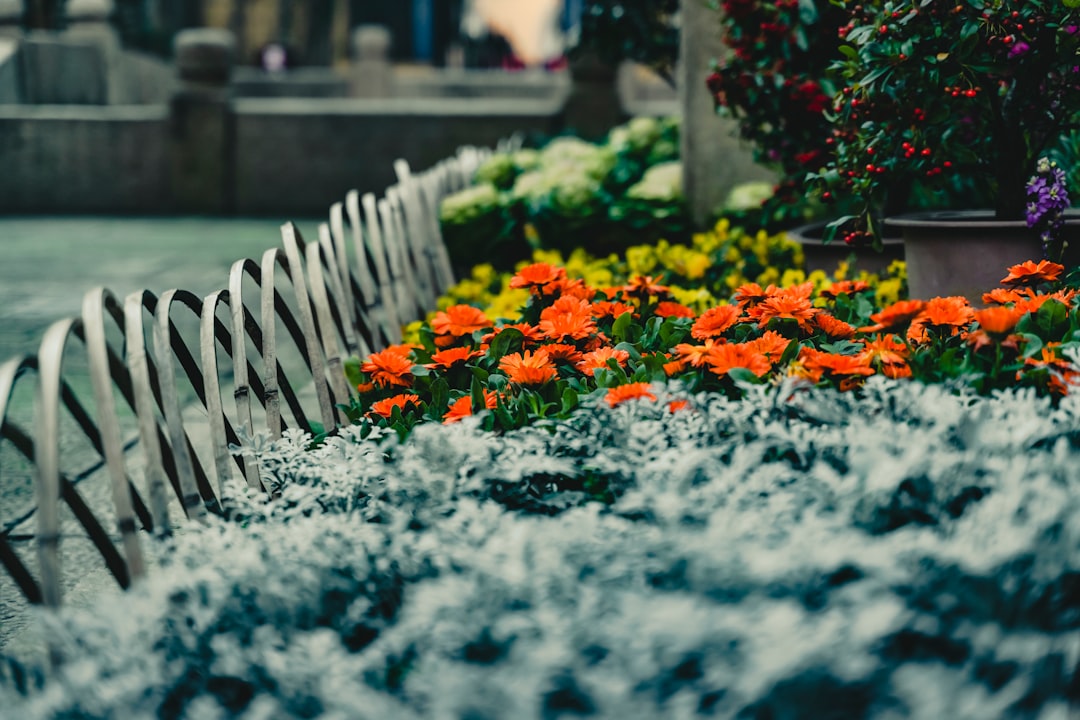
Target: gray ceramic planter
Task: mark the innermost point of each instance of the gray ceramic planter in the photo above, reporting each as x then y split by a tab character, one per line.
820	255
968	252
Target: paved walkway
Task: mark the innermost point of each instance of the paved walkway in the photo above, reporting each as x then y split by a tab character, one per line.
46	266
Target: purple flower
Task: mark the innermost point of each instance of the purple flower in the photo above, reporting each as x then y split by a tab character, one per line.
1048	198
1019	49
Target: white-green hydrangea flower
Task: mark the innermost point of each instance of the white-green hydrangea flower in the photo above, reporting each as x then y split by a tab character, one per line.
469	204
748	196
661	182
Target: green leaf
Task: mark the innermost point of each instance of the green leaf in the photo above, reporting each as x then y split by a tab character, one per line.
504	340
629	348
743	375
503	414
440	398
621	325
1050	315
1034	344
569	400
790	353
840	347
476	391
849	52
353	373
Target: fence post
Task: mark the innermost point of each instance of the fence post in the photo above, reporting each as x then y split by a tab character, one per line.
11	13
202	137
372	73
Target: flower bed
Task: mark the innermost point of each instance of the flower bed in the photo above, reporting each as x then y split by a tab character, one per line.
907	552
699	273
572	340
571	194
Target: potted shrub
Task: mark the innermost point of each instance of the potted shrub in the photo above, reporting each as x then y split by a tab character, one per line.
963	96
775	84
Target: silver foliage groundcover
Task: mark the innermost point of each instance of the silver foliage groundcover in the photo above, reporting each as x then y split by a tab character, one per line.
913	552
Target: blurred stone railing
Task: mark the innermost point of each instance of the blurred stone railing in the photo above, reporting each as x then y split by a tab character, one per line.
274	336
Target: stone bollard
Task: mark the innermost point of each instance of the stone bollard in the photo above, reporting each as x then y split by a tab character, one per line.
91	18
372	73
89	22
593	106
201	122
11	14
714	161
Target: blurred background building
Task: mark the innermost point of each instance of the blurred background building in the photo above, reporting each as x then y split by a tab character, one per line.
316	32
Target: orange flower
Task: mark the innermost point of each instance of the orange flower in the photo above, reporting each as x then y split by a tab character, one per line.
947	312
630	391
896	371
998	320
564	352
845	287
1001	296
611	292
979	339
751	294
669	308
528	368
674	367
676	405
597	341
834	366
592	361
646	286
1034	302
715	321
567	317
723	358
784	306
462	407
607	308
389	367
1065	296
364	388
448	358
385	408
537	276
1030	273
832	327
694	355
459	320
1062	374
575	288
771	345
895	316
885	350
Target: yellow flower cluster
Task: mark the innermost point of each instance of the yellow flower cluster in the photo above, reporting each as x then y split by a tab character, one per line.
700	275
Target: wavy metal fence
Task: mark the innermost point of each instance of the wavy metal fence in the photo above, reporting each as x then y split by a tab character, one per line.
376	264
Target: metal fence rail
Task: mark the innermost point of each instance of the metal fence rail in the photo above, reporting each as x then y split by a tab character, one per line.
377	264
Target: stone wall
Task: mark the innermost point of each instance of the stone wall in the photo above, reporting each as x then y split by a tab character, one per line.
83	159
295	156
62	71
301	156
